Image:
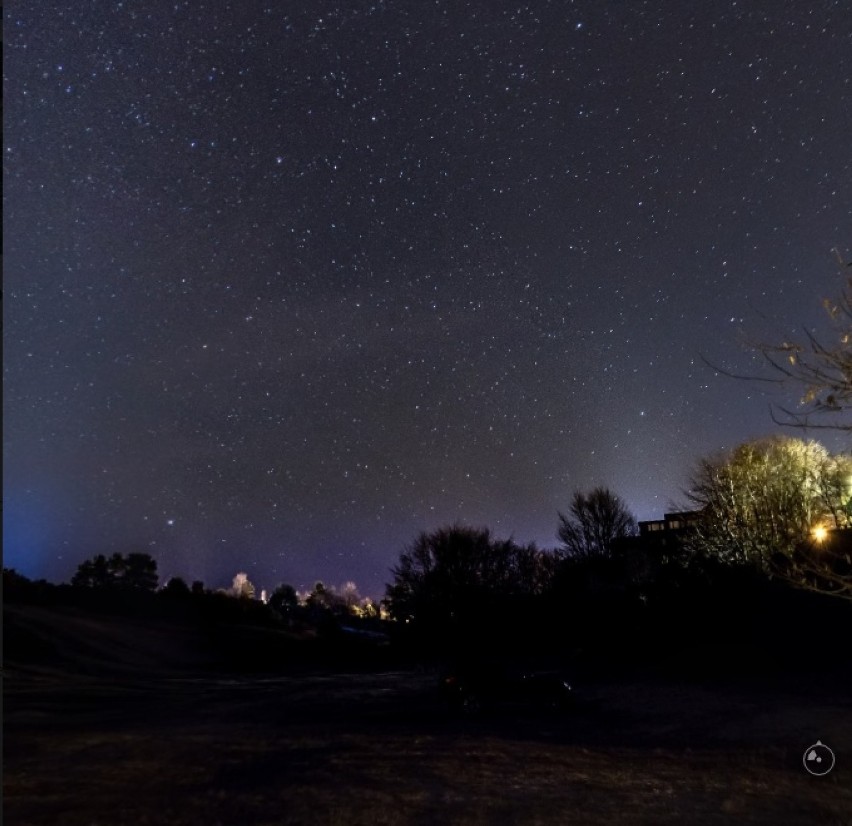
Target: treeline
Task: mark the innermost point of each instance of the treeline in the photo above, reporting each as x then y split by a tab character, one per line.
765	555
459	592
753	572
128	585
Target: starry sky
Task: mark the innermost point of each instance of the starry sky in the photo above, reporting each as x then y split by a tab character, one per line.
287	283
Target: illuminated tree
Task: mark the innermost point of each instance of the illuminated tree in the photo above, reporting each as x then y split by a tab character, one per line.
596	521
349	595
367	609
765	503
242	587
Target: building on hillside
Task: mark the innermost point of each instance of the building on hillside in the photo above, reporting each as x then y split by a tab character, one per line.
661	538
668	533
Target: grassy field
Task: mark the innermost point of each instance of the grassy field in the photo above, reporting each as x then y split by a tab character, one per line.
141	744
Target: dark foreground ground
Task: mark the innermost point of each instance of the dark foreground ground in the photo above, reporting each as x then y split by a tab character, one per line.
140	745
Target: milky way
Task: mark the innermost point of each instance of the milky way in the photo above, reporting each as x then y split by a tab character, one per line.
288	283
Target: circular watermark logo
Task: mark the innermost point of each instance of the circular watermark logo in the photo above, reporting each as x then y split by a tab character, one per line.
818	759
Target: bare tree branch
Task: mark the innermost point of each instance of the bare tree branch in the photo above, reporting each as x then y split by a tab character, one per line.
818	369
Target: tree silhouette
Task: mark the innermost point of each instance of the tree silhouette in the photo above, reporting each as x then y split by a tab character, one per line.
284	600
139	572
594	523
459	576
136	571
320	597
93	573
176	587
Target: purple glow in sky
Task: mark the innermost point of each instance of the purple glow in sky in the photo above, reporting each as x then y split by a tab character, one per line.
288	283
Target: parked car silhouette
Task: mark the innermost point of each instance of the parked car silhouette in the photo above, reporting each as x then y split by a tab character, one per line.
472	689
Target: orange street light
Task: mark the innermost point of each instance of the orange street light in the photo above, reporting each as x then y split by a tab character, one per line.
819	533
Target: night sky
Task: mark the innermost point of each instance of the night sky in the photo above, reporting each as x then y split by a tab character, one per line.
287	283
